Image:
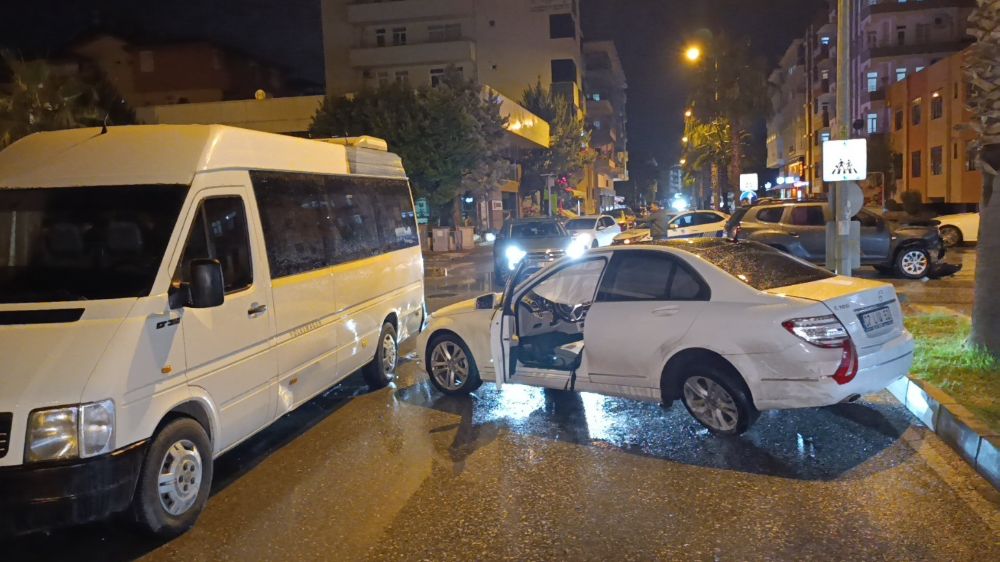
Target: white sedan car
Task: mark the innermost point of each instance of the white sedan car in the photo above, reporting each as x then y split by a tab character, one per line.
691	224
729	328
594	232
956	229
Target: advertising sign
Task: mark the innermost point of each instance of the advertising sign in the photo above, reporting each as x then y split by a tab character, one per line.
748	182
845	160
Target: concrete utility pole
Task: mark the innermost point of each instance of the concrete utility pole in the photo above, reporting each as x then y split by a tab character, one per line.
838	195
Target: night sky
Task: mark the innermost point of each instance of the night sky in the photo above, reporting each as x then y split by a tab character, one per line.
650	35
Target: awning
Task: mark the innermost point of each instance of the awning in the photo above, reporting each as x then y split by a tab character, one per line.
577	193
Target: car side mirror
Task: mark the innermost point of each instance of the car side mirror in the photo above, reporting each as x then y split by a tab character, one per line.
486	302
674	226
207	289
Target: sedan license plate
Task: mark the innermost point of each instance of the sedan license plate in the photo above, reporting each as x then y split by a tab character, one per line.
876	319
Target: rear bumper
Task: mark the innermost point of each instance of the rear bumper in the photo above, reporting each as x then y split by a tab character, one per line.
876	371
50	495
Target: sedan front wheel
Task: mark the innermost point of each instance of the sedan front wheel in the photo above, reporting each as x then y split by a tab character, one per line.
451	367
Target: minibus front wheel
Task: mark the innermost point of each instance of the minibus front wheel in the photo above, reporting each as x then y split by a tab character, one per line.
175	481
379	371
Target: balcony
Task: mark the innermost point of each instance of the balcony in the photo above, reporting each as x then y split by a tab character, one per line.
570	91
905	50
889	6
877	95
405	10
419	53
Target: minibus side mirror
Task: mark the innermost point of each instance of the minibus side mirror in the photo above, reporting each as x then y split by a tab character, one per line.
207	289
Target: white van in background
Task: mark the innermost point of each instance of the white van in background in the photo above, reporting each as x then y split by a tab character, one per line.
168	291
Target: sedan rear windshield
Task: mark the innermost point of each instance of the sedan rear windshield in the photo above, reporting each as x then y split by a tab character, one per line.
581	224
537	230
760	266
84	243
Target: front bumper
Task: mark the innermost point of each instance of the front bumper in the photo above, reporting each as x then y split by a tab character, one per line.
50	495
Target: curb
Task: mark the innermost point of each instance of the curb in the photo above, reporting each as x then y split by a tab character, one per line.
972	439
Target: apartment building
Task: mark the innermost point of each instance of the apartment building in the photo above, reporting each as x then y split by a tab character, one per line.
929	136
507	44
890	40
606	95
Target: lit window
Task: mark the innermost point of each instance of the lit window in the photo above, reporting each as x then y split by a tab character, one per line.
872	123
900	74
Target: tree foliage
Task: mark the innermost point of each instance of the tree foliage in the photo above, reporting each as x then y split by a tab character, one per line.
448	136
39	98
569	152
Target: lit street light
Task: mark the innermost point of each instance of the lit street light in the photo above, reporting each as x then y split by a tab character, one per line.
687	113
693	53
683	161
684	139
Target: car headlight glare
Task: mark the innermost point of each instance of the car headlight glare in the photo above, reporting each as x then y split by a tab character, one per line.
584	238
70	432
515	255
576	249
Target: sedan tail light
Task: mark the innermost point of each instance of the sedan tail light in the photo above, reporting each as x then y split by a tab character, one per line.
821	331
848	367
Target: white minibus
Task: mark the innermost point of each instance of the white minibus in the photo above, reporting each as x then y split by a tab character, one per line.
168	291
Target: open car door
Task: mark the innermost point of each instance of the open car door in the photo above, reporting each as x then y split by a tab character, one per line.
537	335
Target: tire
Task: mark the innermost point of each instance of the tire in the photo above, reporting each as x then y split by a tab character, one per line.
182	449
913	263
447	371
378	373
951	236
729	410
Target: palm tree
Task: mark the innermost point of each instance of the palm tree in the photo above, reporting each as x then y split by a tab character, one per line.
732	84
712	147
984	73
39	97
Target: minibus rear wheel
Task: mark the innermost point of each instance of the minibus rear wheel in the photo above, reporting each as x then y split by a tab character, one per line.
175	480
379	372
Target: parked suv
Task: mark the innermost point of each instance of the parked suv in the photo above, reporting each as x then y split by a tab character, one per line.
537	241
799	228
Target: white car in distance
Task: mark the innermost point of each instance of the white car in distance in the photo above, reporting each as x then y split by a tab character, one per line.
729	328
594	231
959	228
689	224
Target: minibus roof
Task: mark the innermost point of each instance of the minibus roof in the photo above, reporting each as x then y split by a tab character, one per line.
174	154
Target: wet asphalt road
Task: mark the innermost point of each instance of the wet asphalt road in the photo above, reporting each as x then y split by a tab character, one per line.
403	473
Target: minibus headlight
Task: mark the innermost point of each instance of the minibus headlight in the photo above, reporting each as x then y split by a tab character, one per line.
70	432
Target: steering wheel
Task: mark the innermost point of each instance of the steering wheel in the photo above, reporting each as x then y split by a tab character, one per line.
579	312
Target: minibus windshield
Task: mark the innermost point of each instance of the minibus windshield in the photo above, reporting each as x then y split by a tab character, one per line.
84	243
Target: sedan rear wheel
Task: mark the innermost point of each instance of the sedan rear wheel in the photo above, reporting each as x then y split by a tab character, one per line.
718	402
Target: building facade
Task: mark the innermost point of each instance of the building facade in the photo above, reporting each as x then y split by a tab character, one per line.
507	44
929	136
890	40
606	95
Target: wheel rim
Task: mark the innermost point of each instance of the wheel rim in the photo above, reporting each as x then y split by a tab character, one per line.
449	365
914	262
711	404
180	477
950	236
388	353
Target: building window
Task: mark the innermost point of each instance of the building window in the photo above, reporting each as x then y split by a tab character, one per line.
900	35
954	151
146	61
438	33
562	26
399	36
937	155
923	33
872	123
916	112
872	39
915	166
899	119
955	92
918	69
872	81
823	137
564	70
380	37
437	74
937	105
402	77
900	74
824	40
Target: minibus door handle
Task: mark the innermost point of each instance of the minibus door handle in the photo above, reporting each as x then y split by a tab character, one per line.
256	309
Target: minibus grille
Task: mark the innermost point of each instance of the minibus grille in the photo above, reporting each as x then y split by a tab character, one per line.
5	421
